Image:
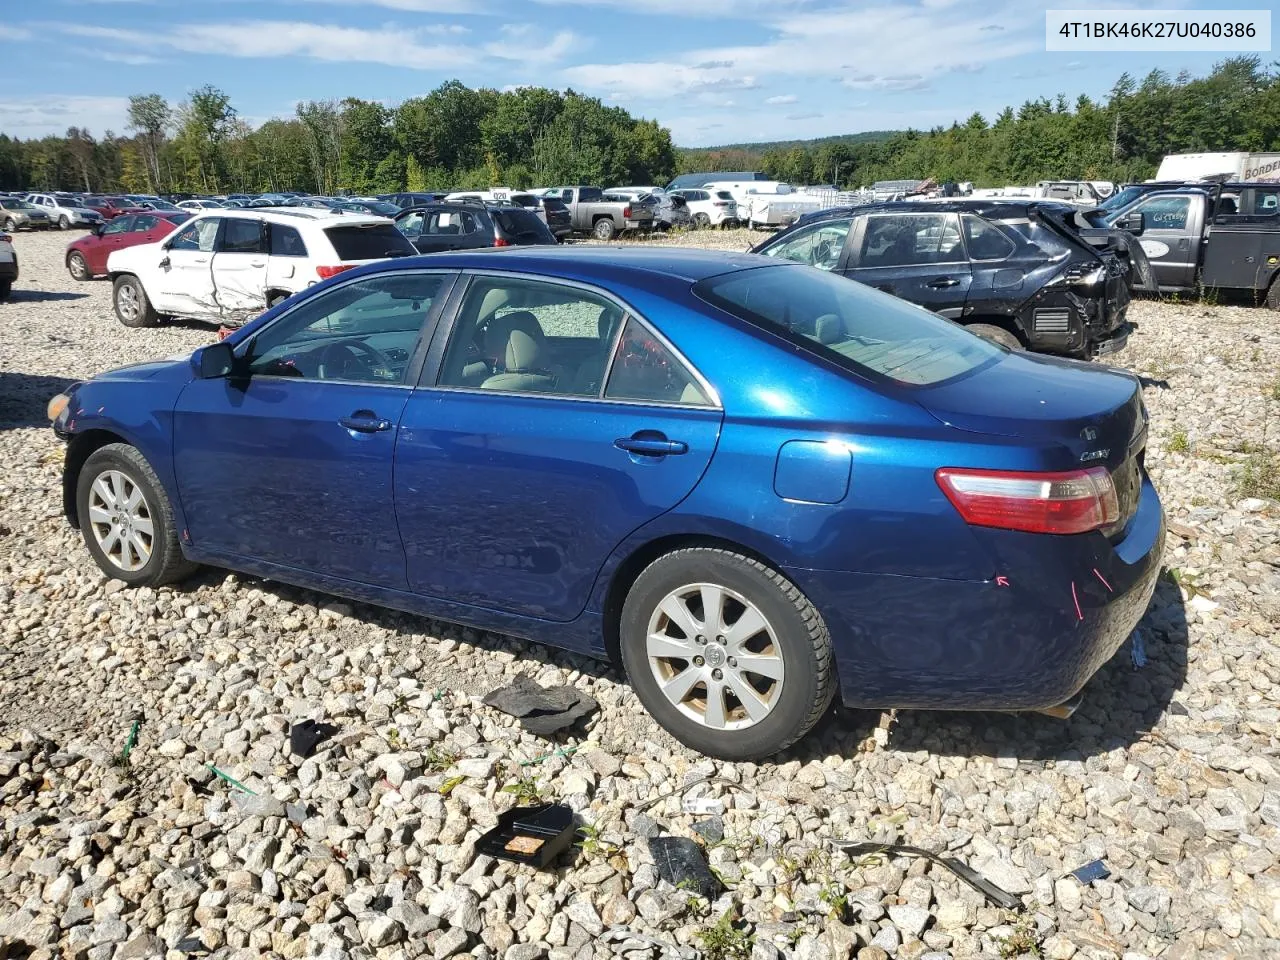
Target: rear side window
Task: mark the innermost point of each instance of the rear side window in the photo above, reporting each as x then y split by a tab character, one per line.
588	194
242	236
141	224
372	242
897	240
852	325
644	369
985	240
722	195
450	223
286	242
521	224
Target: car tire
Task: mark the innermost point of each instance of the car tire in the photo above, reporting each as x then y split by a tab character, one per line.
118	499
133	309
791	643
604	229
1273	294
11	226
989	331
701	221
77	266
64	223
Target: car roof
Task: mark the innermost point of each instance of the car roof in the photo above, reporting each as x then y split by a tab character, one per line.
287	214
599	263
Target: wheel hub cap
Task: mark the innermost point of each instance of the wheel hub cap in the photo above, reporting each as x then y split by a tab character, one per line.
120	520
715	656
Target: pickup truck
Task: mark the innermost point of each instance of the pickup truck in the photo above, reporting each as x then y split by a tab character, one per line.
1221	236
602	218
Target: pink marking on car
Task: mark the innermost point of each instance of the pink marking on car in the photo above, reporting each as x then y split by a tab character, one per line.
1103	579
1002	581
1075	597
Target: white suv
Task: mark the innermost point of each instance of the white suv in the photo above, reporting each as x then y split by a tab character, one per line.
63	212
710	208
227	266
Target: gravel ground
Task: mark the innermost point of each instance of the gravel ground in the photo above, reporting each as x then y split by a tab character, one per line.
1169	773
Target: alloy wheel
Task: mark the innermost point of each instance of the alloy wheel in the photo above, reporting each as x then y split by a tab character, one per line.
120	520
127	302
79	269
715	656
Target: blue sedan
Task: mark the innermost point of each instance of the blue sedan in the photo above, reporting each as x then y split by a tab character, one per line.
750	483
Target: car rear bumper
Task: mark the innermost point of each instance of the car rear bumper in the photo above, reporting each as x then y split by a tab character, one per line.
637	225
8	269
1030	638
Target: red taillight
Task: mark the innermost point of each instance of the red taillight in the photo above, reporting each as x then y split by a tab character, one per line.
626	213
1076	501
501	241
326	272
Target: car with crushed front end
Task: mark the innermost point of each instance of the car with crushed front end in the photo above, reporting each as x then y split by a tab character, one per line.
1024	273
749	483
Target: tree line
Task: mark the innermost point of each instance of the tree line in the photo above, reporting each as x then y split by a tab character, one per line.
1121	138
453	136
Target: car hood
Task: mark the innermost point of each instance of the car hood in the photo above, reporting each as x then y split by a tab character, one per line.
169	366
138	252
1086	407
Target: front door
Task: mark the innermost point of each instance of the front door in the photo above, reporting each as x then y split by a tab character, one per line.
114	236
185	272
915	256
520	469
821	245
1242	250
1171	237
289	461
240	268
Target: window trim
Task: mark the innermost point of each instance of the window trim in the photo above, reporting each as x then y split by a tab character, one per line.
444	330
855	255
417	359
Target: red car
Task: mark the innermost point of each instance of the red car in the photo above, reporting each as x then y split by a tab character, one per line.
87	257
112	207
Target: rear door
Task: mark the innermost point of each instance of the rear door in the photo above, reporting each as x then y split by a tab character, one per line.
554	428
1171	236
240	267
1243	246
916	256
288	260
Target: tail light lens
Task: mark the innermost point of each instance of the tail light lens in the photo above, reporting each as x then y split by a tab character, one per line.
501	241
626	213
326	272
1076	501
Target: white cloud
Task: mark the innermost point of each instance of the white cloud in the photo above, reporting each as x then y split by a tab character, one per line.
39	116
14	33
735	9
271	39
129	59
782	98
527	43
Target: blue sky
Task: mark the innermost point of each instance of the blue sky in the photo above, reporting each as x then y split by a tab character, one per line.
714	71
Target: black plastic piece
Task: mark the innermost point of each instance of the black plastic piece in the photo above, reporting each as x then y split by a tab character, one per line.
531	835
306	735
1097	870
681	864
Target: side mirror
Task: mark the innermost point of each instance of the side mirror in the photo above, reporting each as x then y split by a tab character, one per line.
97	229
1135	223
214	361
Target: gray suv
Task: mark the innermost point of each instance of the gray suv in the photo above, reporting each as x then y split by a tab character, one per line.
65	212
17	214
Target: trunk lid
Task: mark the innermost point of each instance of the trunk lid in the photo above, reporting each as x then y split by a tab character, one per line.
1095	412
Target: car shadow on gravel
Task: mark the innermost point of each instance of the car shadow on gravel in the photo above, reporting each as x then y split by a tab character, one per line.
42	296
24	398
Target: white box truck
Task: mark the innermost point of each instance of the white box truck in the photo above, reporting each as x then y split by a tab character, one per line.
1239	167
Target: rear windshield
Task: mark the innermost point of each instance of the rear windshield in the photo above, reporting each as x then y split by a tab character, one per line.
723	195
176	218
521	224
369	242
861	329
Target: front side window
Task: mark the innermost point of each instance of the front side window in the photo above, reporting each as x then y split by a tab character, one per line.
1165	213
523	336
819	245
198	236
849	324
897	240
985	240
118	225
411	223
363	332
644	369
